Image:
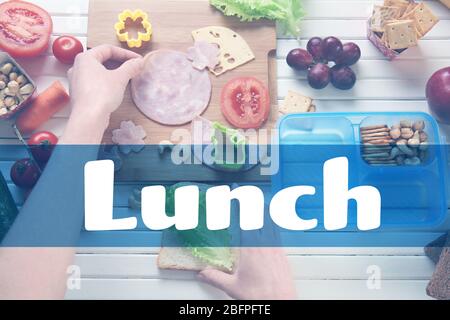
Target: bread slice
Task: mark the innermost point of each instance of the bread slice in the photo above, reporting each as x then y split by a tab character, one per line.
179	259
176	257
182	259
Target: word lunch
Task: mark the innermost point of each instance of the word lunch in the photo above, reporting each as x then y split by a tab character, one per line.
283	209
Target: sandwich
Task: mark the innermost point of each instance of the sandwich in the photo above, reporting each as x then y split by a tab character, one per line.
197	249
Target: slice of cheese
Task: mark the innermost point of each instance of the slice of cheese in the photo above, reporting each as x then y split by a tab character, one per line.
234	50
296	103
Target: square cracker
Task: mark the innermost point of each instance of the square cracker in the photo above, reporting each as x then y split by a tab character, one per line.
401	4
424	18
382	14
411	7
401	34
296	103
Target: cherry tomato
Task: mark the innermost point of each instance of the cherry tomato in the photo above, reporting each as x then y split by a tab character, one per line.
25	28
66	48
42	145
245	103
25	173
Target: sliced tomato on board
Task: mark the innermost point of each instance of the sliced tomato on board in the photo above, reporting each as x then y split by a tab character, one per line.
25	28
245	103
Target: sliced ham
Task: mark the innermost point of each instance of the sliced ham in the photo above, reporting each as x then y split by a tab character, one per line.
204	55
129	137
170	90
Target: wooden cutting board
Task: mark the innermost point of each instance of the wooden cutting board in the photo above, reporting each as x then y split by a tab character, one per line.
173	22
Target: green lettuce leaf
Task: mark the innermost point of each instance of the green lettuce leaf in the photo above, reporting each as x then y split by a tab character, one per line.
211	247
287	12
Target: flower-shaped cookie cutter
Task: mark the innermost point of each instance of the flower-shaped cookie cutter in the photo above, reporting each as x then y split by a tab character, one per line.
121	27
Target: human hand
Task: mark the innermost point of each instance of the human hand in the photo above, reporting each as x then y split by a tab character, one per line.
96	91
262	274
92	85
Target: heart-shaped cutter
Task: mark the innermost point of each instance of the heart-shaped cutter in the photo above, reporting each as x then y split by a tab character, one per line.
124	36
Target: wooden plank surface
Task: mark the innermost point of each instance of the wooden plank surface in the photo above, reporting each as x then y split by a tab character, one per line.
185	289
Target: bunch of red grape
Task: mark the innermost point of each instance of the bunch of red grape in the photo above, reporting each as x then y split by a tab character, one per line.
316	58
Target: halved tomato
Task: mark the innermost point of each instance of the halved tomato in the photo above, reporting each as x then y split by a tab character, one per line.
245	103
25	28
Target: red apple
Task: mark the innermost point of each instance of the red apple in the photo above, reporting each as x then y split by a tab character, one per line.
438	95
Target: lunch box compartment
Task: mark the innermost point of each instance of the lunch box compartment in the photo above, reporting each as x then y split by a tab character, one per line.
5	58
394	119
413	193
412	196
304	139
317	130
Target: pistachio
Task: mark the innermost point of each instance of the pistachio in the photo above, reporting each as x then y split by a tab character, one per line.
6	68
4	78
395	152
2	85
396	126
13	87
8	92
419	125
22	80
407	133
13	76
414	161
403	147
13	107
2	104
395	133
423	136
400	160
2	94
405	124
9	102
3	111
415	140
26	89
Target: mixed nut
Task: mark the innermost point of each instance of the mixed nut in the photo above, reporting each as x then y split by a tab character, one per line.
405	143
15	88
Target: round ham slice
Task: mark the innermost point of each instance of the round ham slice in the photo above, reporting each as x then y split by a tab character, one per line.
170	90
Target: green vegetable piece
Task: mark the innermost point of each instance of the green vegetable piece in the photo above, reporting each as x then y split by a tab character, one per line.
288	13
225	141
211	247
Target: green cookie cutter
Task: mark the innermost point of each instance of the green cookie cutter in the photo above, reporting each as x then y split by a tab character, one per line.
229	147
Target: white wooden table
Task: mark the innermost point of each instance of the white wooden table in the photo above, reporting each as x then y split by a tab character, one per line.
320	273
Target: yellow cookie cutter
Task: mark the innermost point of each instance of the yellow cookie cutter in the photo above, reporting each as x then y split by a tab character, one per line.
123	36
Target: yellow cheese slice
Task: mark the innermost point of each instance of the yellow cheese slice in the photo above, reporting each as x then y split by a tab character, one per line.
234	50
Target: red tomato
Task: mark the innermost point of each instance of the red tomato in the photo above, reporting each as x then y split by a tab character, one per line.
25	28
66	48
25	173
245	103
42	145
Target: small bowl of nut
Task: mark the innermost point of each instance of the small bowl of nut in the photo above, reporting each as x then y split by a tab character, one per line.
16	87
396	141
